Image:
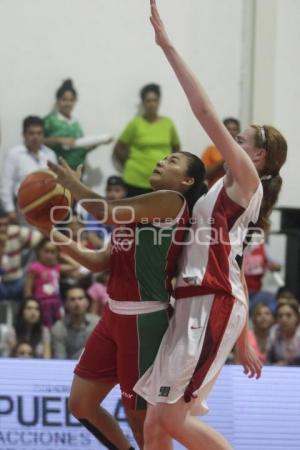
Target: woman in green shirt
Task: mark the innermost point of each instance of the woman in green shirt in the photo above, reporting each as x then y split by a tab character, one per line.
148	138
62	130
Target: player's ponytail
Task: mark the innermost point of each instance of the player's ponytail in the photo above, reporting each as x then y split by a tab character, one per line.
196	170
276	147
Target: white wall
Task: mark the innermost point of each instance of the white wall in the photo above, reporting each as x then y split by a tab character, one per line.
276	89
107	47
287	94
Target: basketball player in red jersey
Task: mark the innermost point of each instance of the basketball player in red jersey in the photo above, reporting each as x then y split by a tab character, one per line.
211	307
142	260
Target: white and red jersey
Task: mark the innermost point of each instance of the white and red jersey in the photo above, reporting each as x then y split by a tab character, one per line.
210	261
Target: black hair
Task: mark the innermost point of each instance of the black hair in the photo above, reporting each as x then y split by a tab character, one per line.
229	120
75	286
32	121
155	88
291	302
3	212
196	170
115	180
284	289
41	244
67	86
35	336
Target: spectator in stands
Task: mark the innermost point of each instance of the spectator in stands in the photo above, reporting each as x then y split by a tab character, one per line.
14	240
29	328
23	350
147	139
284	293
62	130
262	321
7	340
98	234
70	334
213	159
256	265
42	281
22	160
284	340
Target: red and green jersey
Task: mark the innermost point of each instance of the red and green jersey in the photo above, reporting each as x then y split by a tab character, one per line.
144	259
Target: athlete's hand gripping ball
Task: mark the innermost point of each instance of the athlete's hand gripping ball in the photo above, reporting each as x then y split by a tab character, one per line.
65	175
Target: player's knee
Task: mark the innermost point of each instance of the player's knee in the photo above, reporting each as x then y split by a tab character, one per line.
153	431
151	422
167	420
77	407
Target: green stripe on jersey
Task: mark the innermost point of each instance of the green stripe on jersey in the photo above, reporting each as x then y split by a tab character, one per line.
152	246
151	329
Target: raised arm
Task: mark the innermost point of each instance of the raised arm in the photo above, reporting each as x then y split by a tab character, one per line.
157	205
239	163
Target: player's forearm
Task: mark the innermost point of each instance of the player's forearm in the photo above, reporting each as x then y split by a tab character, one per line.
243	338
241	166
93	261
92	202
199	101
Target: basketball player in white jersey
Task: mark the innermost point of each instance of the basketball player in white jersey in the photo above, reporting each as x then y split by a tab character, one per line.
211	306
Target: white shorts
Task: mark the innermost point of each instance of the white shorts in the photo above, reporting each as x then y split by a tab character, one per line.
200	336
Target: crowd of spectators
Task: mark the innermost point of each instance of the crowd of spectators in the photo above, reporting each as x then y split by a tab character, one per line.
53	302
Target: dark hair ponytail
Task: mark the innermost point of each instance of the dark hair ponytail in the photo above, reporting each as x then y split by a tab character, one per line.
67	86
196	170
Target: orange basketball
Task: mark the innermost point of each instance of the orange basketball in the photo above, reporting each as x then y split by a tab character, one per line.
42	200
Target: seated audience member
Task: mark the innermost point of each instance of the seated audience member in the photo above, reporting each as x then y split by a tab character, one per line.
62	129
14	240
98	294
262	321
147	139
22	160
99	234
284	293
23	350
42	281
284	339
213	159
29	328
256	264
70	334
7	340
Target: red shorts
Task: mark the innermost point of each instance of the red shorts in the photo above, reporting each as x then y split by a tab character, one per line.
120	350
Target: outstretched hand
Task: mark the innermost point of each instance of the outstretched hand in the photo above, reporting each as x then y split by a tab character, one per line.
161	36
65	175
